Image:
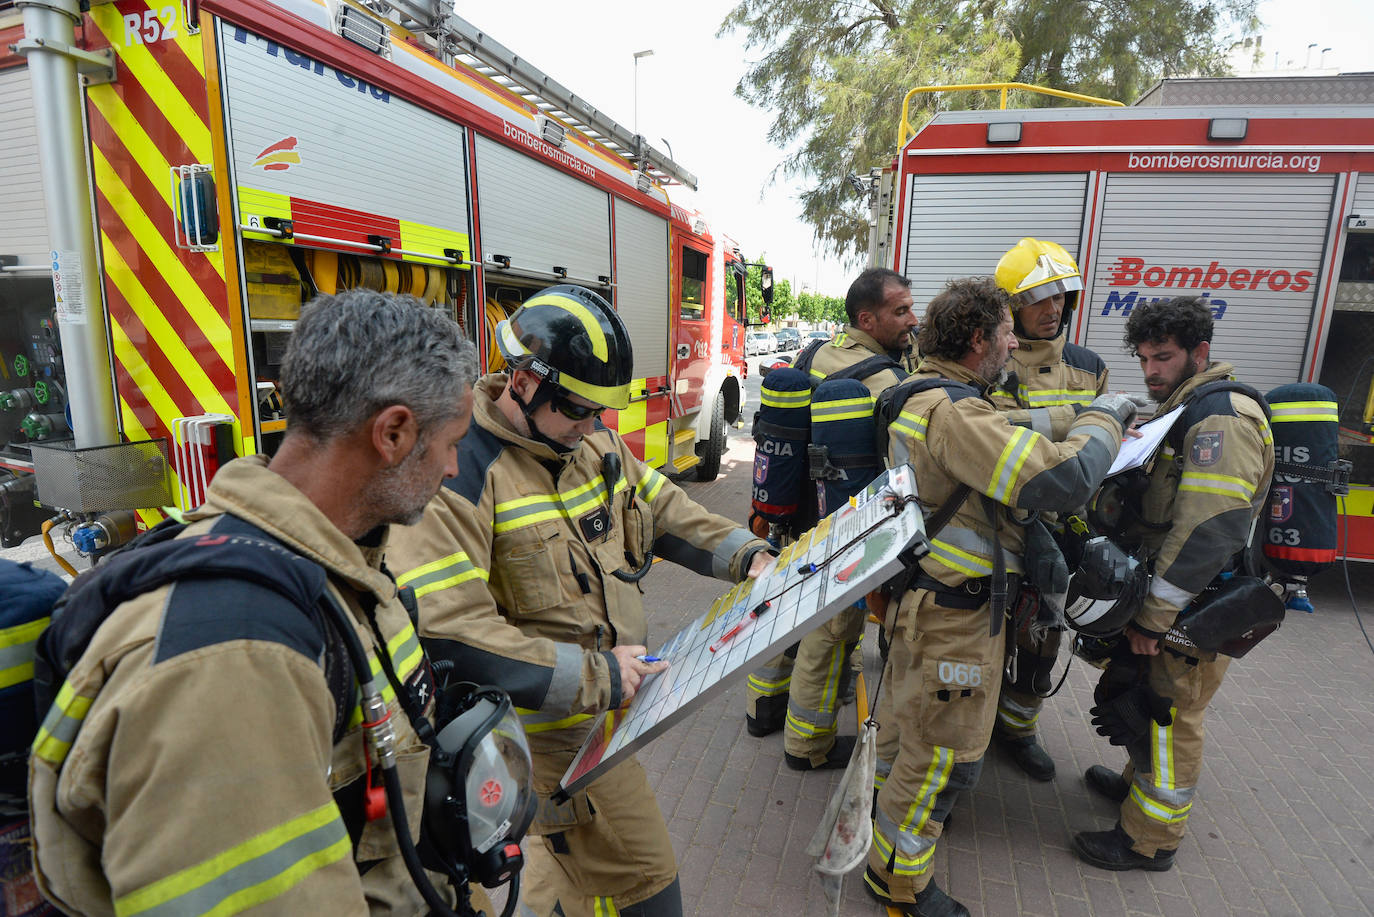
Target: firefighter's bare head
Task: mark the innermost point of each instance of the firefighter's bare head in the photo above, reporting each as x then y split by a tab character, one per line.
879	304
1172	339
969	322
382	384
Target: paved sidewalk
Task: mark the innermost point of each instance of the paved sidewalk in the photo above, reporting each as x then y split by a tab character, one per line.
1283	822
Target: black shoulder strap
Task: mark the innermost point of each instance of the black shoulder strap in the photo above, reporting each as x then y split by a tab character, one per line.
1195	399
890	405
235	549
868	367
807	356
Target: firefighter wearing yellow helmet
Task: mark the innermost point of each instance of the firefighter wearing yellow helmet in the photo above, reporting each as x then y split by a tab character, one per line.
1047	377
526	568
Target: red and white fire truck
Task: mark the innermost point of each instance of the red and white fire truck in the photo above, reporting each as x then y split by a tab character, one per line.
178	177
1264	210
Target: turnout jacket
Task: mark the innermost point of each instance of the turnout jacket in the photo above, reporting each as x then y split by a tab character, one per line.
188	765
852	346
512	564
1052	378
954	437
1202	499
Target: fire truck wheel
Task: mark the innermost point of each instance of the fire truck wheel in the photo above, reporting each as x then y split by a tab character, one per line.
711	449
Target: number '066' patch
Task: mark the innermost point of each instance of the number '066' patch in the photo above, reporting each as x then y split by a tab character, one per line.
959	674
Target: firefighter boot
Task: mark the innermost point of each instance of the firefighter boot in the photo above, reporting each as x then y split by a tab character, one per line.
1112	850
1107	783
838	756
931	901
1028	755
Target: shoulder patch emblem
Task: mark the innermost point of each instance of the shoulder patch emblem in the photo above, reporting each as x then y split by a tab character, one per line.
1207	448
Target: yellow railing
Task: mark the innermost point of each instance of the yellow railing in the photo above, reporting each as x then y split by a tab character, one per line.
905	130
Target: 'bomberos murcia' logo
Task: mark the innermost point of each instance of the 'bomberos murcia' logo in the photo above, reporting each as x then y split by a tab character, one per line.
279	156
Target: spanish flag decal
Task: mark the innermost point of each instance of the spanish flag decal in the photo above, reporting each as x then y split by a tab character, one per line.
280	155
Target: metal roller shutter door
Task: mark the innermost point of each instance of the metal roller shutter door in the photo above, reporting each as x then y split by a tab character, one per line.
1364	197
24	228
539	217
1256	222
960	225
641	296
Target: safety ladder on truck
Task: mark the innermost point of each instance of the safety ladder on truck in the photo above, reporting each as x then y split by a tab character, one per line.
459	41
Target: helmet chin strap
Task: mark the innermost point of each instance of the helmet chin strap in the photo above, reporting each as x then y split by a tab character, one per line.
542	394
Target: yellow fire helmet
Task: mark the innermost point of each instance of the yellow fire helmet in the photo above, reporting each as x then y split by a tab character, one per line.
1035	270
571	337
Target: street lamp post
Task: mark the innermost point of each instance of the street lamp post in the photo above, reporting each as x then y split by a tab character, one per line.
638	55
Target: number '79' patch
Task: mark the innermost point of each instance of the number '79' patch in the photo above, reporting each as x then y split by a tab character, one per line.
1207	448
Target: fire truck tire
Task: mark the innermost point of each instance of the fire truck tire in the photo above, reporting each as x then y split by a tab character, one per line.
711	449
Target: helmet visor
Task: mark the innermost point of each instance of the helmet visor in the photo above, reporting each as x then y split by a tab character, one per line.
1054	287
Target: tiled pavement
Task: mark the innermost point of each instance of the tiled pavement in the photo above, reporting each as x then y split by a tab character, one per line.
1283	822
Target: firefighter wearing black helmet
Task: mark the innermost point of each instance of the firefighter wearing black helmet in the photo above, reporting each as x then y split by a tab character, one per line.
1206	488
1049	377
526	571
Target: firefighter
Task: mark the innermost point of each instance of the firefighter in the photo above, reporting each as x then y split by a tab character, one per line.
1046	371
947	642
197	759
1196	514
526	568
804	685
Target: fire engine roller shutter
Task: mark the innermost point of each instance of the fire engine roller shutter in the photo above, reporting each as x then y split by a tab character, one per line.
339	156
960	225
1175	222
641	295
1364	197
24	227
540	217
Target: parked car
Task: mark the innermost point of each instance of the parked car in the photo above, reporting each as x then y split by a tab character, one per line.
767	365
788	338
817	336
758	342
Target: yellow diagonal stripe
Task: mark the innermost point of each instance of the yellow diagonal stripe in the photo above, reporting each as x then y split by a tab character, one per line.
161	331
142	151
173	272
155	82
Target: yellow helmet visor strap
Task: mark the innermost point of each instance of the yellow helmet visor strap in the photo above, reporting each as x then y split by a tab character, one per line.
595	333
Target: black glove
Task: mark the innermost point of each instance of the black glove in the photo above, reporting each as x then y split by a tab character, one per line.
1047	572
1126	706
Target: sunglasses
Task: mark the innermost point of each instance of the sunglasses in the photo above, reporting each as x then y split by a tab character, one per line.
572	410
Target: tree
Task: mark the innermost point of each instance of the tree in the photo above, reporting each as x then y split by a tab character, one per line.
834	74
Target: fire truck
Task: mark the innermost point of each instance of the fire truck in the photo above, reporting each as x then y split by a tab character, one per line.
177	178
1246	194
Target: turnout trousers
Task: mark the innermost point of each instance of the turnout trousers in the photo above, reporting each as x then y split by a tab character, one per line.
808	684
936	711
1155	812
605	851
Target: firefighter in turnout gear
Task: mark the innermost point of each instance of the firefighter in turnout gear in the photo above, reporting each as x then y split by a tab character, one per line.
803	688
197	759
1049	377
1203	497
526	567
948	645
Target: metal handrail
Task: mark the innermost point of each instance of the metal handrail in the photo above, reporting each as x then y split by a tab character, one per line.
905	131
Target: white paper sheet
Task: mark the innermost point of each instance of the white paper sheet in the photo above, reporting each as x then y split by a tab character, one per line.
1136	452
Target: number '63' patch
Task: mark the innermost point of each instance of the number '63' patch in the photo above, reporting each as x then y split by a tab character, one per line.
1207	448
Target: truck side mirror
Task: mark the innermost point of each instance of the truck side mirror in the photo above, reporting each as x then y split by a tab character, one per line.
766	285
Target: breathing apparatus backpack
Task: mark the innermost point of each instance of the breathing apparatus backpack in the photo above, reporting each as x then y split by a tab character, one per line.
814	442
479	796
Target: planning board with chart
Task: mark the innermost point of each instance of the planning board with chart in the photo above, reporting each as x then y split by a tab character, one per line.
848	554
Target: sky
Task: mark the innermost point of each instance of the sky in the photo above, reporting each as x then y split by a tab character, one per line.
686	102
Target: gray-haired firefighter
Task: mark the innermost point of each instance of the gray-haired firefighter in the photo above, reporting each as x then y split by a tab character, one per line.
1206	489
1047	371
804	687
527	566
948	640
205	753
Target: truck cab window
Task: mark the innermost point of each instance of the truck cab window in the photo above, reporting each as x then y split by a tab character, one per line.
695	265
